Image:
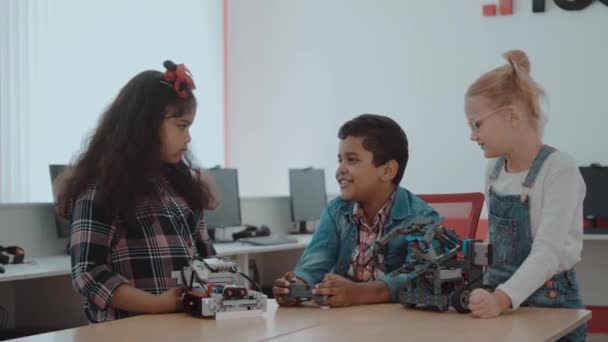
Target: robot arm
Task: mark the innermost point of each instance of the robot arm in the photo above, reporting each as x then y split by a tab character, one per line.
409	227
204	271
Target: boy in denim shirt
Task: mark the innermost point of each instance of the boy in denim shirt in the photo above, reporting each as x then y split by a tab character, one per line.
341	258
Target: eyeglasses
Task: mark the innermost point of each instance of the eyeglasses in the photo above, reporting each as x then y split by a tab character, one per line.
475	123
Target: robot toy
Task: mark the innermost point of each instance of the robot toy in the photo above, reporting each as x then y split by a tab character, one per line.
441	270
212	288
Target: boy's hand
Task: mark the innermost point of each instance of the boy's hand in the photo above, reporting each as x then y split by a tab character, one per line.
484	304
340	291
281	288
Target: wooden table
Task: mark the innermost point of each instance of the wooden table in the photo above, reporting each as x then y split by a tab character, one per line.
382	322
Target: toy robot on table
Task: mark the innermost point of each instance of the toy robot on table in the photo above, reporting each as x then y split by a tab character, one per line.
438	274
212	288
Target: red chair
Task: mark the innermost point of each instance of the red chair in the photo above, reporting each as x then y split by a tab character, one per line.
482	229
460	211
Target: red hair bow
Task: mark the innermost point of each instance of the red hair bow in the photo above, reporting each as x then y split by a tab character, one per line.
179	76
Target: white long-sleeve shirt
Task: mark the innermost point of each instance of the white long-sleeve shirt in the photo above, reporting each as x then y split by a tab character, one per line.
556	219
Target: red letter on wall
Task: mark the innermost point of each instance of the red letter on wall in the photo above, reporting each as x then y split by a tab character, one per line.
506	7
489	10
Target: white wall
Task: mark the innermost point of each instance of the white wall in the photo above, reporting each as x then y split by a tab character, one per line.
299	69
63	61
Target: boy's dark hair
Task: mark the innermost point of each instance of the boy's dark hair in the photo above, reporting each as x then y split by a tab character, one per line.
123	156
382	136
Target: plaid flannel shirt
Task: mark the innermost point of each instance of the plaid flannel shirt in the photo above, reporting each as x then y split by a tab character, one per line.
363	262
105	254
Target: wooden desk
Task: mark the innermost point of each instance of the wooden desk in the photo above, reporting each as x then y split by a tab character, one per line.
310	323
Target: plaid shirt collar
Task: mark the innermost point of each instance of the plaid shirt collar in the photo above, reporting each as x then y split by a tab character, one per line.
362	266
379	219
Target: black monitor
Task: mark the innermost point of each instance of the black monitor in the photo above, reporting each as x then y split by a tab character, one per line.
62	225
307	195
595	206
228	212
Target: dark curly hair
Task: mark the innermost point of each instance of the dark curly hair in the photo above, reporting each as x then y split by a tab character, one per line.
123	156
382	136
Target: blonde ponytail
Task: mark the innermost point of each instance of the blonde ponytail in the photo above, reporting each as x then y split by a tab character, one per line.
509	83
519	61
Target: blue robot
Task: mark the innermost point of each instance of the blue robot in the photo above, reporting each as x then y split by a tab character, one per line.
441	269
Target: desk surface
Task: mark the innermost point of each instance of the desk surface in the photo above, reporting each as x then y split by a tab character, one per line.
57	265
595	237
49	266
237	248
310	323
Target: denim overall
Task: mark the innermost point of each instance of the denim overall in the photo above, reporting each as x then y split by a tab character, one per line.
511	236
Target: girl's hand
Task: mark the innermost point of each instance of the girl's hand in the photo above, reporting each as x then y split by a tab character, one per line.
484	304
170	301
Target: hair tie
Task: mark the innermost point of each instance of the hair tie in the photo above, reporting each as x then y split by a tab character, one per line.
178	77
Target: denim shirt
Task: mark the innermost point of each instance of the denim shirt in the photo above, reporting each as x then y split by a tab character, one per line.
332	245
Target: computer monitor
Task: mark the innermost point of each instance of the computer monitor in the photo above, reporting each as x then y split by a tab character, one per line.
595	206
307	195
228	212
62	225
